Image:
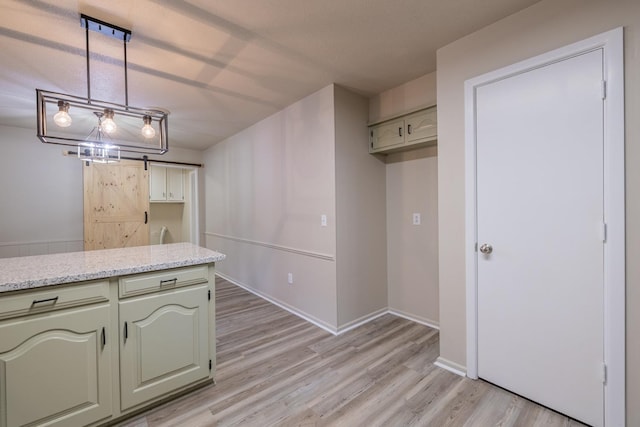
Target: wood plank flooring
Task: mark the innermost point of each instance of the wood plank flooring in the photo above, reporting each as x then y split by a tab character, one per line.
275	369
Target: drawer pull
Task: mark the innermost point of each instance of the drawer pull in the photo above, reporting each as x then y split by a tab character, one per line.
169	282
42	301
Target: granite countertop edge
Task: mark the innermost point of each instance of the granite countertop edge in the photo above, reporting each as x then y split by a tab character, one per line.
34	272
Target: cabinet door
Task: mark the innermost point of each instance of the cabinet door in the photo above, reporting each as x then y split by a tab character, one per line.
422	126
387	135
55	369
175	184
158	186
164	343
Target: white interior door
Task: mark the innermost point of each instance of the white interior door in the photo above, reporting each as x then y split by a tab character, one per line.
539	145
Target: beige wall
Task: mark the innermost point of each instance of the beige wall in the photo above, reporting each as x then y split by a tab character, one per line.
411	187
412	251
266	189
410	96
361	255
545	26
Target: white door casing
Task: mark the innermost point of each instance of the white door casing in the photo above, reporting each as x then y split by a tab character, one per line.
536	156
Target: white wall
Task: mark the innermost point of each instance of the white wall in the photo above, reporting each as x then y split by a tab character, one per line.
266	189
544	26
41	193
411	187
41	209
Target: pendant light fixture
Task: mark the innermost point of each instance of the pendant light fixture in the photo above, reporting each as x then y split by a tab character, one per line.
70	117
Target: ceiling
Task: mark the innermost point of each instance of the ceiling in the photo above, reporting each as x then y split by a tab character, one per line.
221	66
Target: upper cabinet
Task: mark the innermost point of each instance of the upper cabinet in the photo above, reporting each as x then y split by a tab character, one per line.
411	131
166	184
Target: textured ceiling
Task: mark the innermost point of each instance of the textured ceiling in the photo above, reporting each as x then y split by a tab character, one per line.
220	66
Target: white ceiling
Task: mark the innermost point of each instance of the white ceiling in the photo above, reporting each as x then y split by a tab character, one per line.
220	66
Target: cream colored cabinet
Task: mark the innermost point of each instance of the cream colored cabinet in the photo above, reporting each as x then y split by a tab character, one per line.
415	130
91	353
422	126
166	184
175	185
387	135
55	364
157	183
164	343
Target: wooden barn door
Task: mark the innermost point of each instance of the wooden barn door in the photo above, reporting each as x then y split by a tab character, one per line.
116	205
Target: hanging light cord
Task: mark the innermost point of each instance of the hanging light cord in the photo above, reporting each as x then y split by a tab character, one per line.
126	77
86	26
126	82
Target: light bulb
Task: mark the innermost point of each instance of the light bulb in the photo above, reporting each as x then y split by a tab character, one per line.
147	130
108	125
62	117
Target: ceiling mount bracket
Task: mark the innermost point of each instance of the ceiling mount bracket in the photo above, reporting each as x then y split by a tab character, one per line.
105	28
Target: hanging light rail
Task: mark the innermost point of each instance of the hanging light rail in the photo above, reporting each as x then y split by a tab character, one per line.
130	129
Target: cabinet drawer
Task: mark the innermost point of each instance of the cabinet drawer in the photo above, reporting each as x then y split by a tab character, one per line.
159	280
53	298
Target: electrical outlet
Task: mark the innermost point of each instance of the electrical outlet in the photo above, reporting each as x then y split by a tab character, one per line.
290	278
416	219
323	220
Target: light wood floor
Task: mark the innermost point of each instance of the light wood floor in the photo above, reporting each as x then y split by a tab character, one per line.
274	369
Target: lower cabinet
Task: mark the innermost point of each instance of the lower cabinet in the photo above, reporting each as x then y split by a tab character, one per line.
164	343
89	354
55	368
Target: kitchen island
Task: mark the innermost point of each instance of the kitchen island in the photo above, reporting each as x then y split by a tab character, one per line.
89	338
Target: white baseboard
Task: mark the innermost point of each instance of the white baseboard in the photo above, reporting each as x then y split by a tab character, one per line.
426	322
329	328
451	366
319	323
361	321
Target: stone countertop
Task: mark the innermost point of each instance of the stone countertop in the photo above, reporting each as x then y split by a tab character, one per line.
45	270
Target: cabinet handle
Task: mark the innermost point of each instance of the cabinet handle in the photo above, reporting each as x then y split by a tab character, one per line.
126	332
42	301
409	129
104	337
400	131
146	217
169	282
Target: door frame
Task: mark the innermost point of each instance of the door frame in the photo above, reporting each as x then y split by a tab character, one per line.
611	42
192	180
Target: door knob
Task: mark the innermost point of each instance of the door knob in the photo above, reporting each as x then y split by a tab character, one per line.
486	249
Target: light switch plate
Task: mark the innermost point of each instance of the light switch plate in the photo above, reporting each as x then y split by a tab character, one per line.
323	220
